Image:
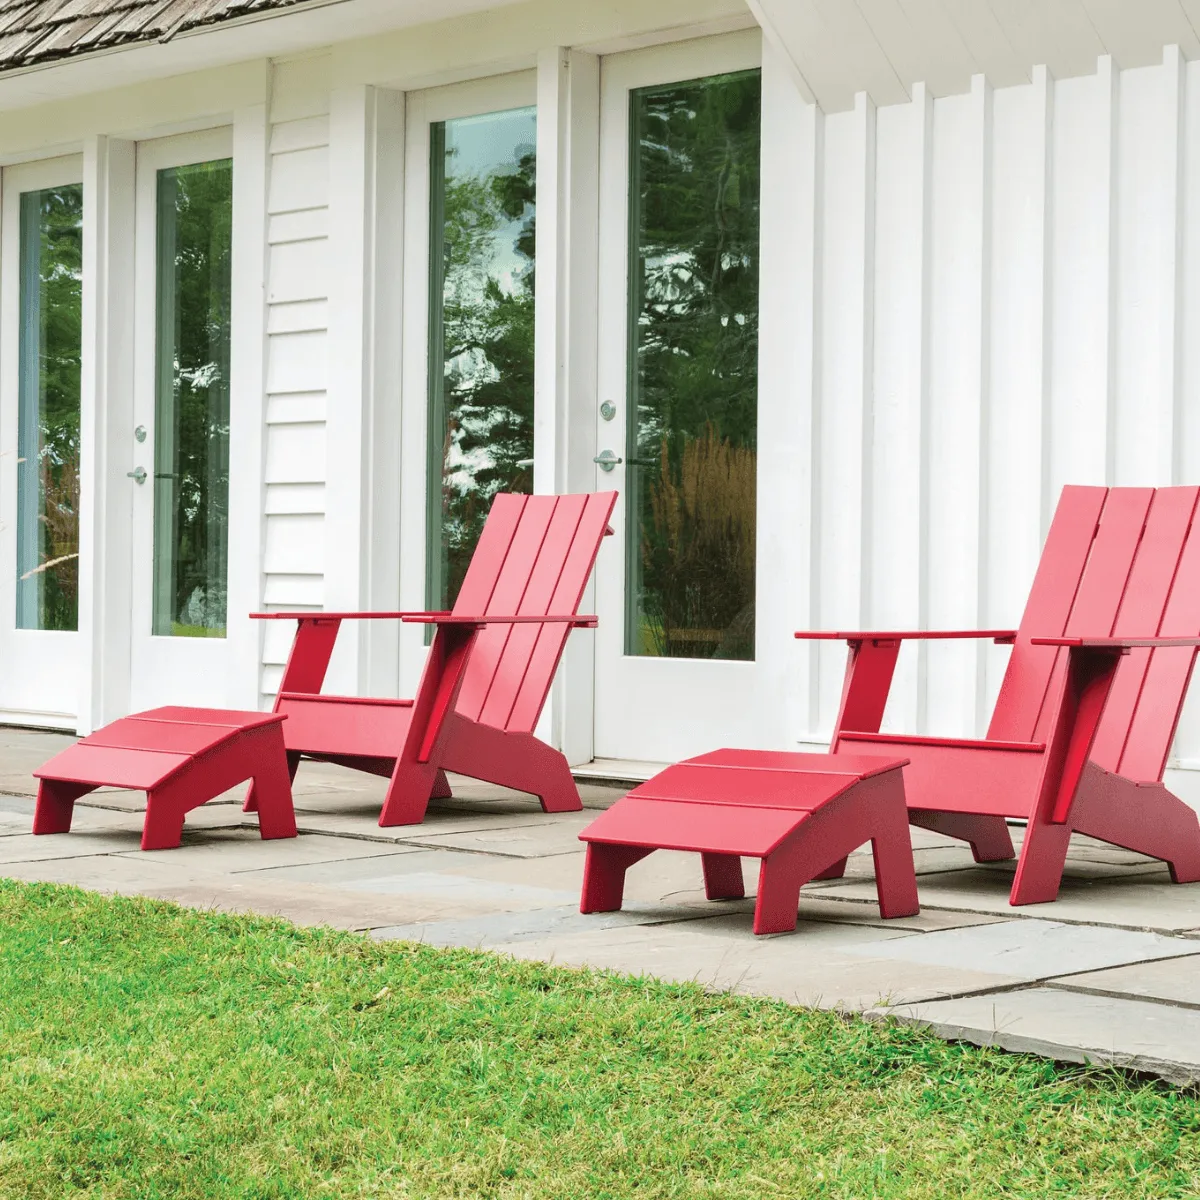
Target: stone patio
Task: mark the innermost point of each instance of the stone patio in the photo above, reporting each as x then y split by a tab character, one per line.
1110	973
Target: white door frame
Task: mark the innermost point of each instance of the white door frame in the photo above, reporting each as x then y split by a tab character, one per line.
422	109
42	668
707	703
199	671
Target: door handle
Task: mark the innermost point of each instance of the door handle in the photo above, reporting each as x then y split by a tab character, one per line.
606	460
138	475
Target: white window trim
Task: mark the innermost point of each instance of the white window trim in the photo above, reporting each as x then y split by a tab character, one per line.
48	653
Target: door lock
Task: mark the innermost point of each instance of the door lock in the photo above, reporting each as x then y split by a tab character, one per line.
140	433
138	475
606	460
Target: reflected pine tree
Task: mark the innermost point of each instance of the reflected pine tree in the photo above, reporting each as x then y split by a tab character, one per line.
48	470
192	422
483	392
694	385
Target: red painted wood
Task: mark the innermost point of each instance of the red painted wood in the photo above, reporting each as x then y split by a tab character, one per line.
512	582
488	673
868	679
321	615
1098	675
801	820
880	635
757	788
324	725
181	758
1027	679
568	595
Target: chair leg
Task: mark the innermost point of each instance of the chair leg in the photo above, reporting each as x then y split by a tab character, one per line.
441	787
604	875
1040	867
723	876
56	804
988	836
408	794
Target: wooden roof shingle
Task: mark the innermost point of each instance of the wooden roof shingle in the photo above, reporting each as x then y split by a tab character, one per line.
39	31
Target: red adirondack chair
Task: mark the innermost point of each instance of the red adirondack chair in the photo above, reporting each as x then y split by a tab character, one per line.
1089	704
488	672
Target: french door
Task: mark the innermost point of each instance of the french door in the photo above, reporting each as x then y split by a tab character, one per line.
40	354
180	434
677	424
467	409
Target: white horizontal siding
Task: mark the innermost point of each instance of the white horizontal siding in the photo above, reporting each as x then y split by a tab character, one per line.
1020	271
297	351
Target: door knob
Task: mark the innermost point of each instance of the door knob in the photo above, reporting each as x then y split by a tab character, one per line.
606	460
138	474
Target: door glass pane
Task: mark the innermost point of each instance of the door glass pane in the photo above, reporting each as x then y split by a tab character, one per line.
51	244
482	173
191	422
693	372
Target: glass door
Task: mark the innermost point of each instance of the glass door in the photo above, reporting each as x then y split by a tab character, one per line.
181	479
678	424
470	227
40	355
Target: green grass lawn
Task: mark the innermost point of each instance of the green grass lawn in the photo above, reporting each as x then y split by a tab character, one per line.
151	1051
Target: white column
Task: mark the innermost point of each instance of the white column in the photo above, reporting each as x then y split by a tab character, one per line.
106	429
247	402
362	557
565	400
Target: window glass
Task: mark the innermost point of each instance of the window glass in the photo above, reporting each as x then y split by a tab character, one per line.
51	247
693	386
482	179
191	433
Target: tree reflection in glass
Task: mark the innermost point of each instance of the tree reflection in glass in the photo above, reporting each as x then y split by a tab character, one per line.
191	436
482	179
694	210
51	262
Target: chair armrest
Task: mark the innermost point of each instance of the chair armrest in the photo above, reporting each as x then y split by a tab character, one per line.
1001	636
575	620
1122	644
342	616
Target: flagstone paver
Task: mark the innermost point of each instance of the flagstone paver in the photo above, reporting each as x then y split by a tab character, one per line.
1109	973
1072	1026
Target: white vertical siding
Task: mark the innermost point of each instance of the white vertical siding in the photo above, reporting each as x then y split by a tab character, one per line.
297	356
1020	272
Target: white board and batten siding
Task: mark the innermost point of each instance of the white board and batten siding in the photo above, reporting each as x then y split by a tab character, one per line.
1006	299
297	354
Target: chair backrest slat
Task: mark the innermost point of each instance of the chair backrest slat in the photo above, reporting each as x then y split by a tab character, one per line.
1118	562
551	639
505	600
1152	723
1031	668
490	553
549	555
1141	614
536	601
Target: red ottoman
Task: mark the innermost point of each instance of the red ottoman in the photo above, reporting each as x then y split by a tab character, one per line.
801	814
180	757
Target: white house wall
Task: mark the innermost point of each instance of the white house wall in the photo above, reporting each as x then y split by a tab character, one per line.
298	279
1007	300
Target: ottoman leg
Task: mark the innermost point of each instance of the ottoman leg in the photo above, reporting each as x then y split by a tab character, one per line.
272	791
604	875
723	876
163	827
891	845
778	902
56	804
